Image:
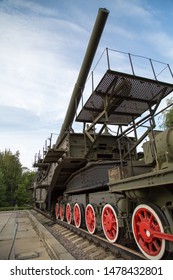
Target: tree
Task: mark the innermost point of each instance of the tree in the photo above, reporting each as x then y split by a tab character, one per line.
11	169
22	195
14	180
167	115
3	198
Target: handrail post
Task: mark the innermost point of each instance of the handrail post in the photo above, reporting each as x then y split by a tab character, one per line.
107	55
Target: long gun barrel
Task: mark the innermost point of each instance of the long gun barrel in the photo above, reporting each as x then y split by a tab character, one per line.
85	68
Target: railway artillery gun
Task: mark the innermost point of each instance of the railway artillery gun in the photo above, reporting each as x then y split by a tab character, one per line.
101	181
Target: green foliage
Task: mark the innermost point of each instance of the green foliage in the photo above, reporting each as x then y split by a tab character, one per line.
21	195
14	180
3	199
167	116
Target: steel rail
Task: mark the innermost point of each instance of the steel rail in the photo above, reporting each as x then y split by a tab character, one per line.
115	248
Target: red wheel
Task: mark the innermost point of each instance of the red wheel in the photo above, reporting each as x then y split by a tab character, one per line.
78	214
145	220
61	212
57	211
90	218
110	223
68	213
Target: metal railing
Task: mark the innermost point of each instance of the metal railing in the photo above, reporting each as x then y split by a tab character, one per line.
136	65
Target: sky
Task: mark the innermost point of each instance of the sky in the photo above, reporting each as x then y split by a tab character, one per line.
42	45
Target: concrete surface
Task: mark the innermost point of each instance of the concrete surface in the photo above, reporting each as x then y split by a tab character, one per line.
23	237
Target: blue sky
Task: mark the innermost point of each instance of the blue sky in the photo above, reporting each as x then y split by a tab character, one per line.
42	44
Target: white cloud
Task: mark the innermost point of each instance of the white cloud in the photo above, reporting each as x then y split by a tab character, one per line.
162	42
37	74
35	63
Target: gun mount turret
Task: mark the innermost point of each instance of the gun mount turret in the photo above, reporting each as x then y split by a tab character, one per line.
159	148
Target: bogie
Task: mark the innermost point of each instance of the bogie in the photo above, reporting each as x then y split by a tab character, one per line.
145	222
95	217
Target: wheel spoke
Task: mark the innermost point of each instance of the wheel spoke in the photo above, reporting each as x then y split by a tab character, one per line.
151	220
140	217
157	243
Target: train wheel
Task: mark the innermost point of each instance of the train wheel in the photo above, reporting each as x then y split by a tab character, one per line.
78	214
145	220
90	218
61	212
68	213
57	211
110	223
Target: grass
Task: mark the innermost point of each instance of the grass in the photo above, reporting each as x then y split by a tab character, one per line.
12	208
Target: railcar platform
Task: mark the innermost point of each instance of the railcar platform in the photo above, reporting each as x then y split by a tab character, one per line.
22	237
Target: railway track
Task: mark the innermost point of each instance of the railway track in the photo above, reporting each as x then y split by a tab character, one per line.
82	245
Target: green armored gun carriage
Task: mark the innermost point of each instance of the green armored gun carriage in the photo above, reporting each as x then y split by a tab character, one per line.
101	180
